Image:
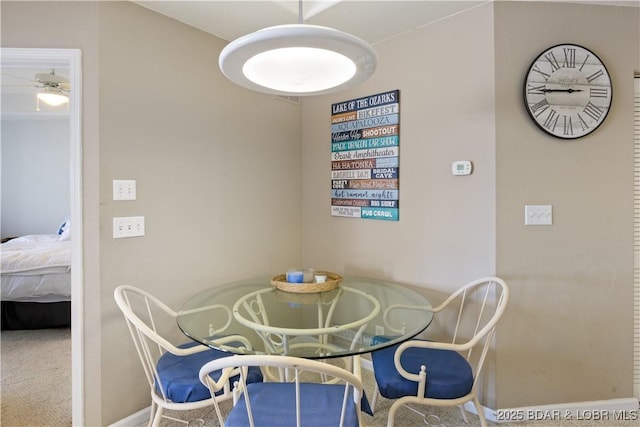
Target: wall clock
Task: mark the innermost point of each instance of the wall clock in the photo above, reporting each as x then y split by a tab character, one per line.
567	91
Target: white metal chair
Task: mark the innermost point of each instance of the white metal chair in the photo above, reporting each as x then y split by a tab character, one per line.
445	373
171	370
297	399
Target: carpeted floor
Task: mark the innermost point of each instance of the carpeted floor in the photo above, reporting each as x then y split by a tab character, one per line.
36	390
36	377
405	417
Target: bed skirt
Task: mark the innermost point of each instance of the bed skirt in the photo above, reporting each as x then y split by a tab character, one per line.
35	315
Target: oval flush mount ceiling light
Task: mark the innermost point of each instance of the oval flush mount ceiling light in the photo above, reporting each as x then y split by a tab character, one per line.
298	60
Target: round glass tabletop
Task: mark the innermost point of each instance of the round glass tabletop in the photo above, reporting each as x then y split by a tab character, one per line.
253	317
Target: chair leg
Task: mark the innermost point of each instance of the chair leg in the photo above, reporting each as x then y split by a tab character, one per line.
464	414
374	398
157	417
480	409
391	418
152	413
219	413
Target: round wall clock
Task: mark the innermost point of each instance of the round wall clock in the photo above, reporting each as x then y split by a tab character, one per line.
567	91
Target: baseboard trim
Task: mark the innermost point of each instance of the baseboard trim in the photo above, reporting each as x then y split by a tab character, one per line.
140	417
623	409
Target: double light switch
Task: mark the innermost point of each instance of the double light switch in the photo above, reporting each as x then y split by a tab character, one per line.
130	226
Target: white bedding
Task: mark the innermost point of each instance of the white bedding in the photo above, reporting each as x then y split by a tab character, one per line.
36	268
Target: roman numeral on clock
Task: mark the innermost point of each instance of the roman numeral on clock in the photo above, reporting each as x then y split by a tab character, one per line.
598	92
553	61
552	119
539	107
568	126
569	58
542	73
584	62
595	75
583	123
593	111
535	89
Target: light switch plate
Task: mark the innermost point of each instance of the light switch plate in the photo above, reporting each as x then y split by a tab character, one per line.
124	189
130	226
538	215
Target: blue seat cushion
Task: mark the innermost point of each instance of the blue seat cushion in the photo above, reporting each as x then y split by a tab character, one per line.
449	375
378	339
274	405
179	374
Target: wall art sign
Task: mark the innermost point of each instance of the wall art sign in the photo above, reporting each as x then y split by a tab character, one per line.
365	143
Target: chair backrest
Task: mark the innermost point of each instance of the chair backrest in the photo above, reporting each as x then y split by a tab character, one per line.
144	315
477	307
292	370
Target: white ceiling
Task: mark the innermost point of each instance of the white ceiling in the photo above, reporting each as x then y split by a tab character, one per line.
372	20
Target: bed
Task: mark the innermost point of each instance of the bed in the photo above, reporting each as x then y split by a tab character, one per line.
36	282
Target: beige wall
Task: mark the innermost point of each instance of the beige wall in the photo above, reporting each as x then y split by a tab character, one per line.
217	170
217	167
568	334
446	232
571	308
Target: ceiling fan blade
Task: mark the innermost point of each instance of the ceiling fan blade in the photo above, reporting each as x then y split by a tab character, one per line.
11	76
51	79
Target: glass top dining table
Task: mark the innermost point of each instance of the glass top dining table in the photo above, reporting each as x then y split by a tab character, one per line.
254	317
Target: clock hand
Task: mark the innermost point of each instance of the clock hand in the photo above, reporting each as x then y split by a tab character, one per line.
562	90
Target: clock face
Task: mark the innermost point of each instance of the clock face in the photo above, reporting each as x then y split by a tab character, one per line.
567	91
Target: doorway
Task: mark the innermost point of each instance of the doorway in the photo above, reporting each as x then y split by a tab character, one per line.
71	59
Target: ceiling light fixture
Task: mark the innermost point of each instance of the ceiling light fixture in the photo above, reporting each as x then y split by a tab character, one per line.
298	59
51	96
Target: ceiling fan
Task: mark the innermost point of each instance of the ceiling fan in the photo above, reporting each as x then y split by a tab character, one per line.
53	80
53	88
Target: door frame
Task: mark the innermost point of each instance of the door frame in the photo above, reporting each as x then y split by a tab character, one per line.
71	59
636	237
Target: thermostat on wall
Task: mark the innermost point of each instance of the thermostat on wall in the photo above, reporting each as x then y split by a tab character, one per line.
462	167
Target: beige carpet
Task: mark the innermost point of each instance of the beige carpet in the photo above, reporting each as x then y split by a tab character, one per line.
36	390
436	416
404	418
36	378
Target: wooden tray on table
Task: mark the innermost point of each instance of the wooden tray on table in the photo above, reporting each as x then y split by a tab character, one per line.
332	282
